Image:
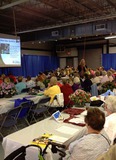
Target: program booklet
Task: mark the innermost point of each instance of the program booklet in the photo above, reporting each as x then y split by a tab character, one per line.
42	141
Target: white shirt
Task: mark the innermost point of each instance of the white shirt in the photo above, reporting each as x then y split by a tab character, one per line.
96	80
30	84
110	126
89	147
104	79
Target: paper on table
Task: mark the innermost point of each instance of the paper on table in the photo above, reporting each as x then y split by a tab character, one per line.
77	120
3	102
58	139
84	113
67	130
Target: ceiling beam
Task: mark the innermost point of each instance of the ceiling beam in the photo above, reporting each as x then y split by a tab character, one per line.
49	3
13	4
89	8
111	3
69	23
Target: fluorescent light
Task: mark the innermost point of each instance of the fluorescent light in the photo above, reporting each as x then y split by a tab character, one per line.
110	37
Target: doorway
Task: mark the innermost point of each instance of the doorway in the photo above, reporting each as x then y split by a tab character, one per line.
69	61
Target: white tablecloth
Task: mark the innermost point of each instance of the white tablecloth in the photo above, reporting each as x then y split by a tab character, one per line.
8	103
26	135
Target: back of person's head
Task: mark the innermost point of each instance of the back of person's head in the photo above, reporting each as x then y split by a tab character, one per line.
39	78
97	73
3	75
7	80
28	78
20	78
104	73
64	81
53	81
111	103
109	73
95	118
76	74
86	76
76	80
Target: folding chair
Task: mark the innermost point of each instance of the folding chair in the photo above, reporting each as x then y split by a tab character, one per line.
25	111
57	104
25	90
9	119
94	90
40	108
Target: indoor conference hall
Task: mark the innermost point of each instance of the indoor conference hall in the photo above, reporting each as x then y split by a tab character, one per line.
57	80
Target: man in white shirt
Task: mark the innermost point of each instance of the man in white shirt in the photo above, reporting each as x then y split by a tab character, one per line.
30	83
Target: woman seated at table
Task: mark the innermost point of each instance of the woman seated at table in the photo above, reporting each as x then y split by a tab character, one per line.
104	77
29	82
90	146
52	89
87	83
67	90
76	85
39	82
20	85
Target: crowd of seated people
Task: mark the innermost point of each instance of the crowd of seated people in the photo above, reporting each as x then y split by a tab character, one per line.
76	78
81	77
66	81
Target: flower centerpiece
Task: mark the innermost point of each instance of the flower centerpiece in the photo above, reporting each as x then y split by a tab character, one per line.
80	97
7	89
106	86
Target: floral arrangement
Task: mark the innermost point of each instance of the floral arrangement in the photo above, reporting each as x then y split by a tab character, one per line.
33	91
80	97
106	86
7	90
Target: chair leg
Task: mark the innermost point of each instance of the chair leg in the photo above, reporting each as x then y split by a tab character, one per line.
33	118
1	135
16	127
27	121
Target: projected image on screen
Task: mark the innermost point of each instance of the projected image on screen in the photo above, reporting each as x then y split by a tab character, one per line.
4	48
10	54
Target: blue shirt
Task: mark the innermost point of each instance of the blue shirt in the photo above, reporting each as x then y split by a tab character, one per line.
20	86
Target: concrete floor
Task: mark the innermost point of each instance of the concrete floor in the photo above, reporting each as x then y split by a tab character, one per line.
1	151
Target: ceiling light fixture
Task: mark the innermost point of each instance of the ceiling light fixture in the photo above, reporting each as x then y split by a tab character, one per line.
110	37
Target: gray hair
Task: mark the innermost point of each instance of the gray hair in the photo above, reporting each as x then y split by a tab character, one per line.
111	103
53	81
76	80
104	73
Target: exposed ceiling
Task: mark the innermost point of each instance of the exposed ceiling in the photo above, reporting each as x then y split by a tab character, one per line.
24	16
